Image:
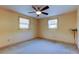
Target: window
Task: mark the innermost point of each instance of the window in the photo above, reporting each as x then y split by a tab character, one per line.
23	23
52	24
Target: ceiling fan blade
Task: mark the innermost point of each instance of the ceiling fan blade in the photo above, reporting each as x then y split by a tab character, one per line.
38	8
46	7
45	13
32	12
34	8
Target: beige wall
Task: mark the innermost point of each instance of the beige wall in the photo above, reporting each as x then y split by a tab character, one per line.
66	22
9	28
78	27
10	32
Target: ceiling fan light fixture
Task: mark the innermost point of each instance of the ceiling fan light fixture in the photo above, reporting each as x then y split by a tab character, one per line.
38	12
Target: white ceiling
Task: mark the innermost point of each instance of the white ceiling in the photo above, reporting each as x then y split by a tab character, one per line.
53	9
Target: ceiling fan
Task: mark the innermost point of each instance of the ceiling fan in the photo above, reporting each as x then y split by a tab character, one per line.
39	10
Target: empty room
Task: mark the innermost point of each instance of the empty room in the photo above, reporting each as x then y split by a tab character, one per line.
39	29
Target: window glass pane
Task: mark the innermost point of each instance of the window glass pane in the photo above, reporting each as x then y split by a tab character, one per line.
23	20
52	23
23	26
23	23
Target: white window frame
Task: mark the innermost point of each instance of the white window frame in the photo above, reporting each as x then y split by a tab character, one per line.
51	26
24	23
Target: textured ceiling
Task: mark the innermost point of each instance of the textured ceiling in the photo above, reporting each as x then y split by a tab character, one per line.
53	9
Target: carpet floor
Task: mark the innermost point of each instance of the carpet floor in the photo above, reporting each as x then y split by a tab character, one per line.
38	46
